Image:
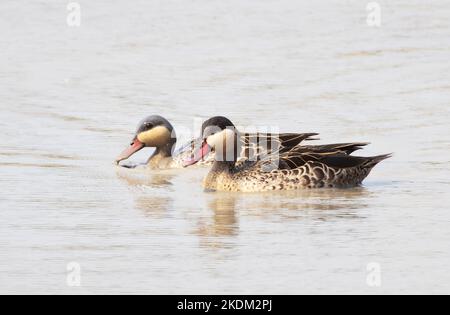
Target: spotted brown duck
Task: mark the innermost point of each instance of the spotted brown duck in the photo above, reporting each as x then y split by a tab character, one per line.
290	168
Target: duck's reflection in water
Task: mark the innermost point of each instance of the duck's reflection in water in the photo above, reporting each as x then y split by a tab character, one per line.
154	207
220	228
143	184
316	204
142	177
223	214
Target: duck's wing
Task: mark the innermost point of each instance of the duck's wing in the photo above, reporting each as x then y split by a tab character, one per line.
254	146
338	160
347	148
295	157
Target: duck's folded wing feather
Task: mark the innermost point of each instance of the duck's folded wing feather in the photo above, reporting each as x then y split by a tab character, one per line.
254	146
295	159
347	148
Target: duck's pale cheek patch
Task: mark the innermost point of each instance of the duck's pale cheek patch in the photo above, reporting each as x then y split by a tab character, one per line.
155	137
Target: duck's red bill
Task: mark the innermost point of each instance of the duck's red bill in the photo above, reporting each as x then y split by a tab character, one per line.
132	149
199	155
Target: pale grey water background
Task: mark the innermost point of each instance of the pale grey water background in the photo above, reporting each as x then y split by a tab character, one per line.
70	99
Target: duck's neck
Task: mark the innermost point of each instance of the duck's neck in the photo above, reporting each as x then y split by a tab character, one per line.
161	158
222	167
220	171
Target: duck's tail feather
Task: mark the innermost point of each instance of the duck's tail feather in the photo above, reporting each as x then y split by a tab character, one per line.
377	159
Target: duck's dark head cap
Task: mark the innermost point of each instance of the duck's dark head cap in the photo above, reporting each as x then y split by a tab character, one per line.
217	123
153	121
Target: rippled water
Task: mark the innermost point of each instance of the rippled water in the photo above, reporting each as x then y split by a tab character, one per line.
71	98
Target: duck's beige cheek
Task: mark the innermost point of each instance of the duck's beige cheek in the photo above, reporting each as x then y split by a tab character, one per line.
216	139
157	136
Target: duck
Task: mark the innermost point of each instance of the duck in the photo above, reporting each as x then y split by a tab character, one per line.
292	167
157	132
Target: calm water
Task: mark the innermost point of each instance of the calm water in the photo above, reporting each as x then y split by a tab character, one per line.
71	98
